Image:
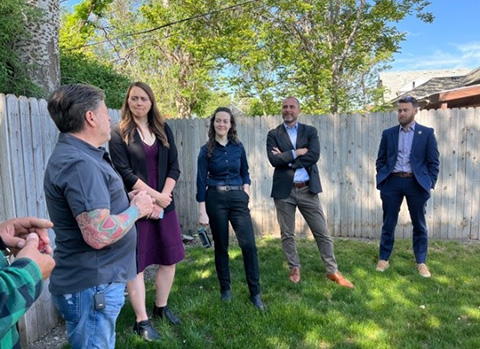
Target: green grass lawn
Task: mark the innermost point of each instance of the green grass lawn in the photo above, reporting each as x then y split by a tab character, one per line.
395	309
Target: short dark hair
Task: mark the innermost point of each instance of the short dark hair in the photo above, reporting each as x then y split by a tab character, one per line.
68	104
409	99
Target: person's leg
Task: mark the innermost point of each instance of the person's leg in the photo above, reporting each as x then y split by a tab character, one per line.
89	326
286	219
392	197
243	227
417	199
218	211
163	284
136	294
311	210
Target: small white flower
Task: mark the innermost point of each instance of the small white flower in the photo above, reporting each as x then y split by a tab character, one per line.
422	307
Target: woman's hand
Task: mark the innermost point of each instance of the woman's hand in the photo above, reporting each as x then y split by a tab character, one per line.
203	219
163	200
156	212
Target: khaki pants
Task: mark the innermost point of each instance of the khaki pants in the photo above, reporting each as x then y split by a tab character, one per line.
311	210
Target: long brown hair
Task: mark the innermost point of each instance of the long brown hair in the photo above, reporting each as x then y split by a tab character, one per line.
156	124
232	133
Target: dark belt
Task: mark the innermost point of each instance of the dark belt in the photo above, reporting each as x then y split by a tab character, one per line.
300	184
403	174
226	187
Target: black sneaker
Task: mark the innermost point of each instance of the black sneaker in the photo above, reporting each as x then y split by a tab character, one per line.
145	330
226	295
257	303
166	313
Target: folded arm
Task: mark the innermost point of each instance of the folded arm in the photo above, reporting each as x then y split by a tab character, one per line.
280	158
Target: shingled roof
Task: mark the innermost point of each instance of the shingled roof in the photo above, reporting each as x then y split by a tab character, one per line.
397	83
457	91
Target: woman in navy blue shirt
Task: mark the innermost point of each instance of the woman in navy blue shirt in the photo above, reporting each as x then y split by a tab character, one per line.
223	187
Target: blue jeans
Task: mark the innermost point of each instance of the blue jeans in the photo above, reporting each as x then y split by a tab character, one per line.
86	326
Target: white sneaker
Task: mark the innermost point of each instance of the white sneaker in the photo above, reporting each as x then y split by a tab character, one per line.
382	265
423	270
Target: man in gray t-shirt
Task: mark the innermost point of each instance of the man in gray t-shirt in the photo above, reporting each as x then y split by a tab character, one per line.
93	219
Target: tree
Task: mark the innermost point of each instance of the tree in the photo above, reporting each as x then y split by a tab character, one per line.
325	52
14	79
38	50
85	63
322	50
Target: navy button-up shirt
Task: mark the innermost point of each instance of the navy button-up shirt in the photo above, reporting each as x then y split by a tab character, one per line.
227	166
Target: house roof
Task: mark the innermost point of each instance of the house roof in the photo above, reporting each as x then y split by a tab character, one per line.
397	83
454	91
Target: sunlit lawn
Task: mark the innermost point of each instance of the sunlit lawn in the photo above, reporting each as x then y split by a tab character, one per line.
395	309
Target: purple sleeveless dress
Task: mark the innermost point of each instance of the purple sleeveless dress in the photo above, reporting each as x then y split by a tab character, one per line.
159	241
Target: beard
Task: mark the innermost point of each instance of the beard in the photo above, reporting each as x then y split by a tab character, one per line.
406	120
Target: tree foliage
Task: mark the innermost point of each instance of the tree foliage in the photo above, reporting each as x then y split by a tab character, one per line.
13	74
325	52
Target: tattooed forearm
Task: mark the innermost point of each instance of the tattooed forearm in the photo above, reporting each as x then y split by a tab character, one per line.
99	228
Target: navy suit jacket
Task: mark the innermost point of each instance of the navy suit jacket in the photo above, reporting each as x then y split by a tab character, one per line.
424	156
284	163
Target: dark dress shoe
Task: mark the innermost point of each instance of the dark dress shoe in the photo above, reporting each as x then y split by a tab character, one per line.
166	313
257	303
145	330
226	295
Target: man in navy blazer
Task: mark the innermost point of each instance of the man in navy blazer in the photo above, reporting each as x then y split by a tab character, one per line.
407	166
293	149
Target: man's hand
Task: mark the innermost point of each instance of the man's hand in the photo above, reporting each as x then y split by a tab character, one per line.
276	151
14	232
31	251
143	202
132	194
301	151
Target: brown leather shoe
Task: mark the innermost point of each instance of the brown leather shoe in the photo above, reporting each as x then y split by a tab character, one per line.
339	279
295	275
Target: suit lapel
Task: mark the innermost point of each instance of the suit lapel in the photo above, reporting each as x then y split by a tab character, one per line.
301	140
395	133
285	137
416	135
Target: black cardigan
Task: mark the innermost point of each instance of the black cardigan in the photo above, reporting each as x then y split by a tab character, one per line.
129	160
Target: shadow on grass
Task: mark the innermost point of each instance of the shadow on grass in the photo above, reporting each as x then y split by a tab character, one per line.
395	309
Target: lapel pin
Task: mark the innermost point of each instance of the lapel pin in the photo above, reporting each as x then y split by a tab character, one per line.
419	132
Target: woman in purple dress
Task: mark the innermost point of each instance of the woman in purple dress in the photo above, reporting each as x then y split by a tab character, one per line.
144	153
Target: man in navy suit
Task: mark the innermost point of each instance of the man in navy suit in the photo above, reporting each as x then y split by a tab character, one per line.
407	166
293	149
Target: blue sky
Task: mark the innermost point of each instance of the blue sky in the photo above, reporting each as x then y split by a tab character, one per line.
451	41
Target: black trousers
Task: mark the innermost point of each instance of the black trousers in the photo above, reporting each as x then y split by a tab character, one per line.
232	206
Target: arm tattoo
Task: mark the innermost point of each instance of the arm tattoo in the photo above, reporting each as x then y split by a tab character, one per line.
99	228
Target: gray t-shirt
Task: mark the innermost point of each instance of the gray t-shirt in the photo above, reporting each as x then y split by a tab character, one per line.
79	178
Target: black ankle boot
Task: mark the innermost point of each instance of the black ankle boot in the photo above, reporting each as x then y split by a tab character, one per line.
145	330
165	312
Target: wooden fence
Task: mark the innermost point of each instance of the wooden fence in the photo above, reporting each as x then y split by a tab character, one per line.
349	147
